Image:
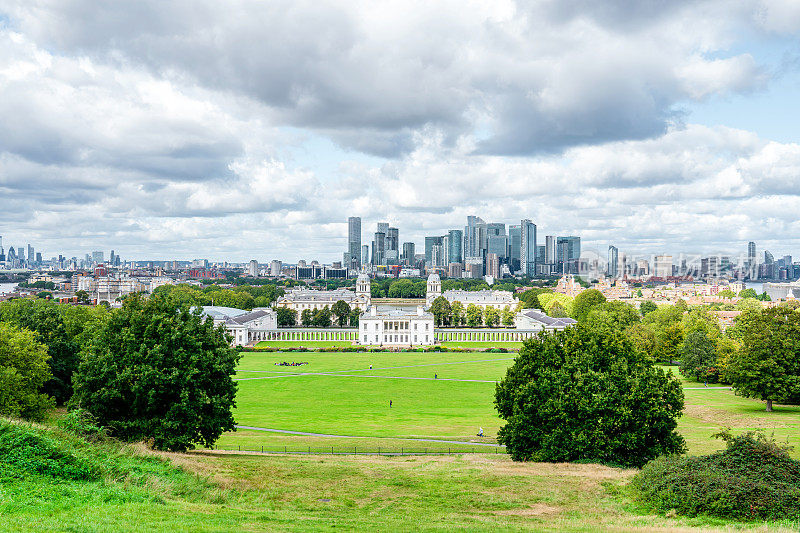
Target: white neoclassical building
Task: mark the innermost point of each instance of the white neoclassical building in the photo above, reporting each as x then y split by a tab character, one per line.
302	298
484	298
244	326
395	327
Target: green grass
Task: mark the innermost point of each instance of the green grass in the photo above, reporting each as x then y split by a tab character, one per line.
188	492
486	344
305	344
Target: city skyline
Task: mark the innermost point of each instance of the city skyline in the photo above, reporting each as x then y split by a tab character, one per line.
662	128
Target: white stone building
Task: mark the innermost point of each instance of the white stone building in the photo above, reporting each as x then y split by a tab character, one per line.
485	298
302	298
395	327
244	326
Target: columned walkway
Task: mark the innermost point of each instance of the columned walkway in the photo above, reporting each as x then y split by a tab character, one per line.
483	335
304	334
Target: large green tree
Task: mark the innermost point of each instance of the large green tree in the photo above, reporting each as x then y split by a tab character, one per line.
157	371
441	311
768	364
341	310
286	317
23	371
698	356
474	315
587	393
585	302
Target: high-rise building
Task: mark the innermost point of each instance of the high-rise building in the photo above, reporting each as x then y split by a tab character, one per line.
392	251
550	249
364	254
751	254
437	256
515	243
455	246
612	268
408	253
378	248
663	266
527	249
275	267
252	268
474	239
492	265
97	257
568	254
495	228
498	244
430	242
353	243
31	255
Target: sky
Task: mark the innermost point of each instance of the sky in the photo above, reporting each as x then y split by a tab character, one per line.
252	130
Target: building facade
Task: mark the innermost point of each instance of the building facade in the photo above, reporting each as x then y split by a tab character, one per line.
395	328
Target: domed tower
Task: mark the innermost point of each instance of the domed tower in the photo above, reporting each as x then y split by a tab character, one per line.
434	288
363	291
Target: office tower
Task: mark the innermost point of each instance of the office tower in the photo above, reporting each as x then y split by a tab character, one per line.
31	255
495	228
392	251
663	266
430	242
527	249
612	269
492	265
498	244
455	246
568	254
455	270
21	254
437	255
39	257
540	249
474	238
252	268
275	267
364	254
445	249
378	248
550	249
408	253
97	257
2	252
751	254
514	244
353	243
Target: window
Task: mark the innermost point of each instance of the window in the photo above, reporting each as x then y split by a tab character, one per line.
415	326
415	338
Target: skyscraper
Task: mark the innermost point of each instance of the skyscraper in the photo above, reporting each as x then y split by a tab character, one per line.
353	243
474	238
408	253
568	254
514	237
455	246
378	248
612	269
97	257
31	255
364	254
430	242
527	250
392	252
550	249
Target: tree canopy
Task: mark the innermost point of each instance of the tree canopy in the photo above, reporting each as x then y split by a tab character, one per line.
585	302
157	371
23	371
587	393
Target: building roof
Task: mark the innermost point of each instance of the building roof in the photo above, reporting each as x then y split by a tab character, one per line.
484	295
218	312
248	317
548	321
317	296
397	313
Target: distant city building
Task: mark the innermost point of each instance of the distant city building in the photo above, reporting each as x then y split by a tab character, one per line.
492	264
612	268
353	243
663	266
475	240
408	254
514	247
528	248
275	268
252	268
378	248
568	254
455	246
430	242
97	257
365	255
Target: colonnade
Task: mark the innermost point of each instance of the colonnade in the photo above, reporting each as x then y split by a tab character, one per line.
483	335
304	335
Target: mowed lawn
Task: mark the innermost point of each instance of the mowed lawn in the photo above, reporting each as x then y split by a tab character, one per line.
445	396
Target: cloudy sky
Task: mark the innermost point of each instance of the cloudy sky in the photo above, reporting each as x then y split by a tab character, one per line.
252	129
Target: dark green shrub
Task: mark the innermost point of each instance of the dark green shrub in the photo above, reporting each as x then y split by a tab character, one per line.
752	478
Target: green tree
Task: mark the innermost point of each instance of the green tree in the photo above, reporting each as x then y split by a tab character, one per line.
585	302
507	317
441	311
726	293
341	310
457	313
748	293
768	364
491	317
286	317
307	317
322	317
474	315
45	295
588	394
23	371
82	297
647	306
615	315
159	372
698	356
355	315
749	304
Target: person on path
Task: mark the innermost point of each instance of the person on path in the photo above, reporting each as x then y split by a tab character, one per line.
480	432
370	367
436	376
390	404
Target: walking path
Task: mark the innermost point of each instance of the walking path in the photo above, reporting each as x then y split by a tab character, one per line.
307	434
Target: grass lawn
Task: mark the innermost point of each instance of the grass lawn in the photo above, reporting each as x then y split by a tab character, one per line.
487	344
305	344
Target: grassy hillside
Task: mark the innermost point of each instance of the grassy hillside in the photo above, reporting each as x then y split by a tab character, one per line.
51	480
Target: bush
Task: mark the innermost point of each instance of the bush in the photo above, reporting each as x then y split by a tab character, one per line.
752	478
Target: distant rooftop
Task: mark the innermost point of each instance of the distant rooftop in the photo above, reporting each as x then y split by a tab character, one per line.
218	312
